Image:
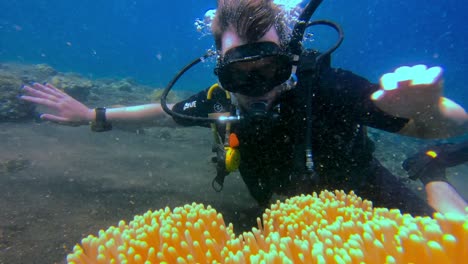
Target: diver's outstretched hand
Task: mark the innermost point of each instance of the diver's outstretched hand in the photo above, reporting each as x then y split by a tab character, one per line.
66	110
416	93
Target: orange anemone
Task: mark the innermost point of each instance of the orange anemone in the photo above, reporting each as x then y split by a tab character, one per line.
326	228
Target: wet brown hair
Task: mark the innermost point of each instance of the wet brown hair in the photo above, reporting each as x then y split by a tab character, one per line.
251	19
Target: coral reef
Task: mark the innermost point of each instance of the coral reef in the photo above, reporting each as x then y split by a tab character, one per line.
74	85
155	96
112	92
12	77
44	71
100	92
11	107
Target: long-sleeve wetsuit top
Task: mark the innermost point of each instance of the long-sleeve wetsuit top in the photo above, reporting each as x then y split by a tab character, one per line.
272	160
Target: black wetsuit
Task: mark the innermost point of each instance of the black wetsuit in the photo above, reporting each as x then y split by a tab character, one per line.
273	159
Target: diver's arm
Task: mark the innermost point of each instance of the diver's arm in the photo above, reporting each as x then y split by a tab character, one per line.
350	94
444	198
415	93
448	120
429	164
145	115
66	110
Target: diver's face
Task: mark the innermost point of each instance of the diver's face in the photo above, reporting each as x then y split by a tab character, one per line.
231	40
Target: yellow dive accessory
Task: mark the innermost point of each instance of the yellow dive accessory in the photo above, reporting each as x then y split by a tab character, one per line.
227	152
431	153
232	153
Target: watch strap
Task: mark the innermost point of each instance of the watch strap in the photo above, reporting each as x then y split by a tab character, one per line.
100	124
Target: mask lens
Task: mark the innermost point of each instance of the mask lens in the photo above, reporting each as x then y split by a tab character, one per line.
255	77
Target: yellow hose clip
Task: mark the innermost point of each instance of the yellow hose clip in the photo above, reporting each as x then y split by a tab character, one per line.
216	115
212	88
231	142
232	153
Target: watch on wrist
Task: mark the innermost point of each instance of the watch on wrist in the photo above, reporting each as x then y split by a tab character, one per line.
100	123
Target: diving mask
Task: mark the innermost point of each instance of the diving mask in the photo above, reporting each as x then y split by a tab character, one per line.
254	69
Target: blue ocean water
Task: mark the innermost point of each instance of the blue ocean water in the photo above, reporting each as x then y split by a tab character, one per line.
150	41
55	195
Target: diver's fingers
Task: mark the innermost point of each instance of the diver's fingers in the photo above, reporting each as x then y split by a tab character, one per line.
389	81
32	92
49	89
40	101
424	76
411	77
54	118
377	95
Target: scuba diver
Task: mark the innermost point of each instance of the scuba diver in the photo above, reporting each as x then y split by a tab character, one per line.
283	117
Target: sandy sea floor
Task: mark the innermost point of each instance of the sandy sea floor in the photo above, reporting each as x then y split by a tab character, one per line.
58	184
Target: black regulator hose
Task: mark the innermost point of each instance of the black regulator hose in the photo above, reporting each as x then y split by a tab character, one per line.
301	25
171	84
338	29
316	77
